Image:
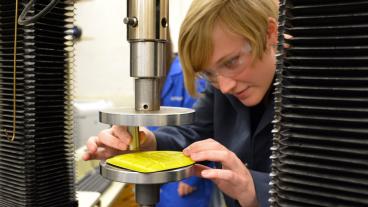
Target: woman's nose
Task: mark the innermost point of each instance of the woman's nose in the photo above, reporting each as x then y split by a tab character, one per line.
225	84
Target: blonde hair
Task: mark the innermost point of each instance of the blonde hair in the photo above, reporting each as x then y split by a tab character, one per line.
248	18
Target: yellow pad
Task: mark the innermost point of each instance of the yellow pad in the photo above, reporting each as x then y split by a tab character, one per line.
151	161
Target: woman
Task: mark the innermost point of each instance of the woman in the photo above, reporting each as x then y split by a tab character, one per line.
232	44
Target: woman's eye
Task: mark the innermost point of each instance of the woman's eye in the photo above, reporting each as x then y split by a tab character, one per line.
206	75
232	63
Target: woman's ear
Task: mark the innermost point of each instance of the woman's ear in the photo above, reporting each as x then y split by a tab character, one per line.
272	31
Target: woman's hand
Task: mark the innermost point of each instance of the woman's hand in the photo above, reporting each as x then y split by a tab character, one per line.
234	178
184	189
114	141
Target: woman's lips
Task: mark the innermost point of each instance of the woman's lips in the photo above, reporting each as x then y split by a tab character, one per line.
242	94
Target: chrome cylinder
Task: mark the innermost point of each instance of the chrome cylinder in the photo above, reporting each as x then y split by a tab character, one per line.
147	20
147	59
147	25
147	195
128	176
147	94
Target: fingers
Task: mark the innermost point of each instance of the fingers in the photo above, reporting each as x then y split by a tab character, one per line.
223	156
208	144
184	189
218	174
234	179
121	132
181	190
92	144
142	137
198	168
93	151
101	154
116	139
86	156
225	178
147	139
210	150
107	143
107	138
227	158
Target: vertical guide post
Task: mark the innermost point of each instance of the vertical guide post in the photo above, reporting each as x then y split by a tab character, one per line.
134	131
147	26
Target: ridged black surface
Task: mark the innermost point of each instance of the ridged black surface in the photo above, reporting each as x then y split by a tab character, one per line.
94	182
320	152
37	168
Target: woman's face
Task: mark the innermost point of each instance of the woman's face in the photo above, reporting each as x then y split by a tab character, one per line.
235	72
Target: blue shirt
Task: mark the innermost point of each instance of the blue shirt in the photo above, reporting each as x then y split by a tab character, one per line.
174	92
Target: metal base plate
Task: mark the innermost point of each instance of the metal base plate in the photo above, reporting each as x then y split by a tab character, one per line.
126	176
130	117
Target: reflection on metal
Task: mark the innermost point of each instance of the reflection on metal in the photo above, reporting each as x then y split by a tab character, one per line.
134	132
127	176
130	117
147	94
151	17
147	185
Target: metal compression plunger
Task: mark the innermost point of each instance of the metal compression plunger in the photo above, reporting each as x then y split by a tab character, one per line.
147	25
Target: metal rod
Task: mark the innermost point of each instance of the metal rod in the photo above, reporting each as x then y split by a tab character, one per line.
147	194
134	144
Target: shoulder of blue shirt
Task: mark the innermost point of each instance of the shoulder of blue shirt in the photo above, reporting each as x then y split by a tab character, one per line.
176	70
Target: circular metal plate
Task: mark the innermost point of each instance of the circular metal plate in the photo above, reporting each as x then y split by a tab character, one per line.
126	176
130	117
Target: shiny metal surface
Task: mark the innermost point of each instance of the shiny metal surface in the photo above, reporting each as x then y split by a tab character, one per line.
147	59
127	176
134	144
147	63
131	21
147	194
147	94
130	117
152	19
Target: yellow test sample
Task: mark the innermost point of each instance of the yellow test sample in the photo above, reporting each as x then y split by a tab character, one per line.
151	161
